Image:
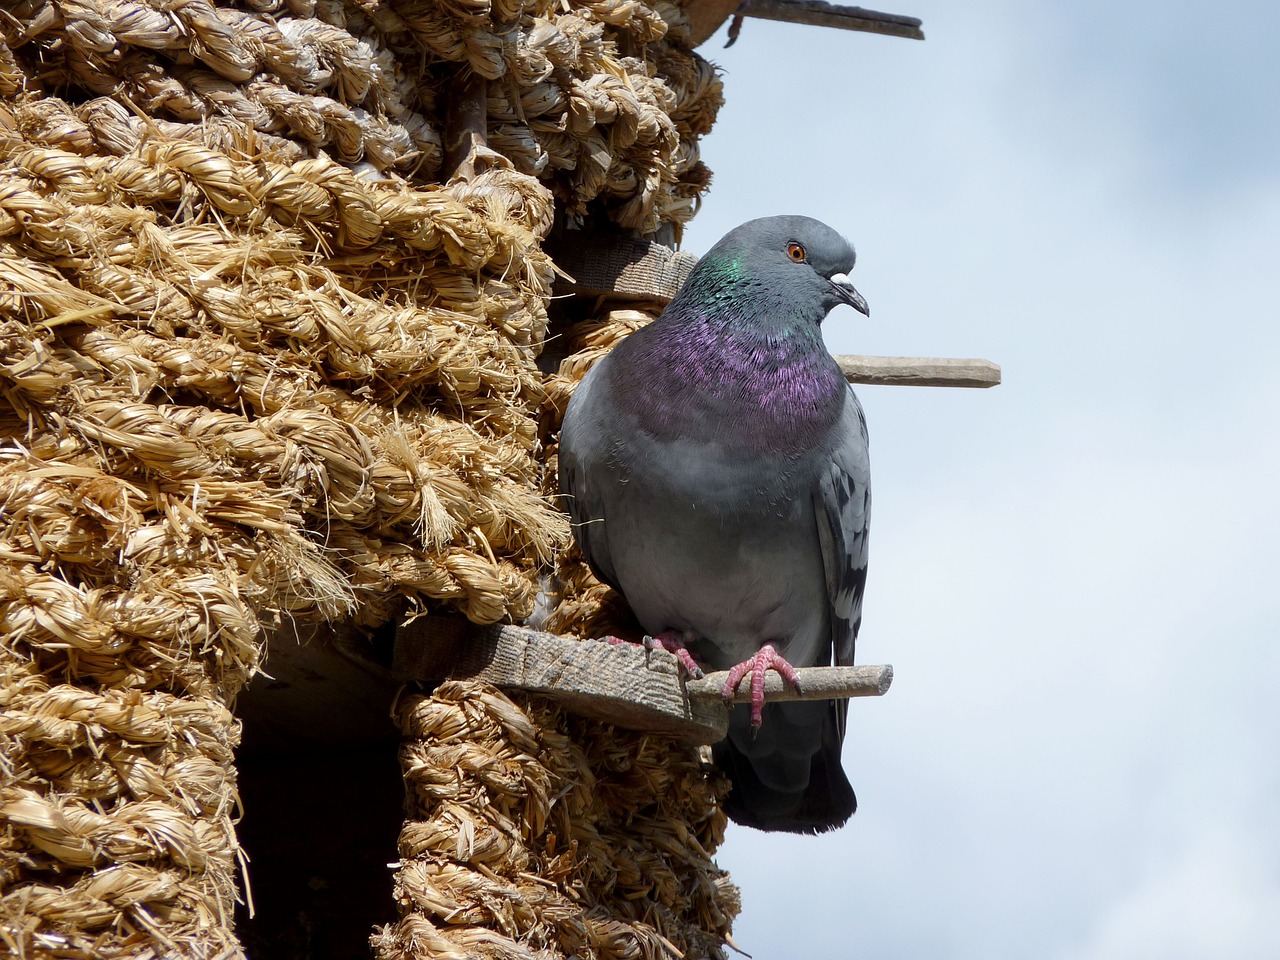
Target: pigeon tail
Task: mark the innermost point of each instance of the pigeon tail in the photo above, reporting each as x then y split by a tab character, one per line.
787	777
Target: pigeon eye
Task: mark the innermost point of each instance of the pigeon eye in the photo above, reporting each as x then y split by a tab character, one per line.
797	252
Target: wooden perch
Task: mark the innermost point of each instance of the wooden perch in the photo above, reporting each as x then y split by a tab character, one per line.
623	684
919	371
821	14
816	683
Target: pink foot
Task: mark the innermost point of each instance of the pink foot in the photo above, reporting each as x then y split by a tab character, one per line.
669	641
767	658
672	642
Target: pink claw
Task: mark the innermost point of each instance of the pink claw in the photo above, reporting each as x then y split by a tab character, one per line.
672	642
766	658
669	641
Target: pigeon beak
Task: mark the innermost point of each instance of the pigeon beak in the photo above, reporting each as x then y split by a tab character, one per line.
847	294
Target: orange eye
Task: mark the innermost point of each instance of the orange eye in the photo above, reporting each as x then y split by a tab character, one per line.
796	252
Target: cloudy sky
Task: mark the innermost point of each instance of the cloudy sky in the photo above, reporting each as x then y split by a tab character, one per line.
1074	574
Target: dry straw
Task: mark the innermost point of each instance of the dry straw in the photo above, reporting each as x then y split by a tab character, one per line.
258	364
590	841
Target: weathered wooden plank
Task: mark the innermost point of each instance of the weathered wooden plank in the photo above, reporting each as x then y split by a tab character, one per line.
608	265
604	265
919	371
821	14
623	684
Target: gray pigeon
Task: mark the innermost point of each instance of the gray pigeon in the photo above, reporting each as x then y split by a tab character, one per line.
715	468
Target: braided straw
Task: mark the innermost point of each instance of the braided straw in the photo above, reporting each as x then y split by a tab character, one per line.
590	841
258	364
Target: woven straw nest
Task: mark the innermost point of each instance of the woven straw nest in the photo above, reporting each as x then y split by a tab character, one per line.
260	363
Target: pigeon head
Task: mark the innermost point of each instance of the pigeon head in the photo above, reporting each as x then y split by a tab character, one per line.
801	257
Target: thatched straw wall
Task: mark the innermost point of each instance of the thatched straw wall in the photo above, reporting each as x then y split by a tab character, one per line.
264	360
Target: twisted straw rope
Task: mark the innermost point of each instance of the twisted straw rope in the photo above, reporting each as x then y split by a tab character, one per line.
256	365
338	448
558	859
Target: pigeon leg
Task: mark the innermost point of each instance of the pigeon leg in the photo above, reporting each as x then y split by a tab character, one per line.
767	658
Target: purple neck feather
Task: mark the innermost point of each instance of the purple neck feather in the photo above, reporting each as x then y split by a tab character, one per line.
771	385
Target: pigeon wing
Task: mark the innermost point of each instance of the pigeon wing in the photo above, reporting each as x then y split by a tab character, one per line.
843	508
788	776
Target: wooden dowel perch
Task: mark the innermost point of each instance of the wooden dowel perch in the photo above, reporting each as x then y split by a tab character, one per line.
623	684
816	683
919	371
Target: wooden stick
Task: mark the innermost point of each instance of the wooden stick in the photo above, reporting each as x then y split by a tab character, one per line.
816	683
919	371
466	123
706	16
599	265
819	13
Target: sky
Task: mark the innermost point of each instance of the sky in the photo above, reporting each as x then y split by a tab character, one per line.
1074	573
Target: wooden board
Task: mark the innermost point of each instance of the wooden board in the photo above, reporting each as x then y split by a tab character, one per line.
821	14
606	265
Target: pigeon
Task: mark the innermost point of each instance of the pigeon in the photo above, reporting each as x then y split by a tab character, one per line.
714	465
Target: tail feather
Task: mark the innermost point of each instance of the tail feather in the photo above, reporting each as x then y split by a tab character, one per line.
788	777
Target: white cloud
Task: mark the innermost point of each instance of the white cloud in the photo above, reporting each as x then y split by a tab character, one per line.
1214	898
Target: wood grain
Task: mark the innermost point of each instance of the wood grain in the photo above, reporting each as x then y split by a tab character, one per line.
608	265
816	683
